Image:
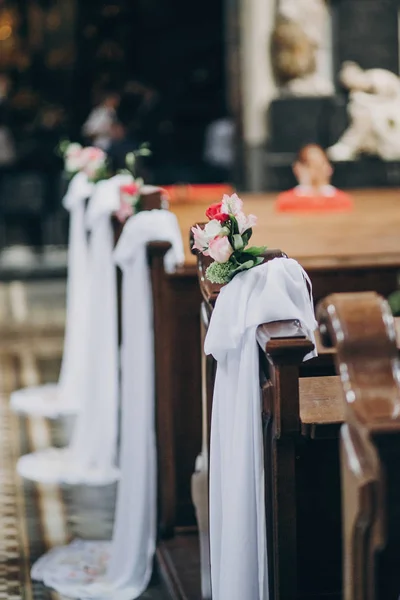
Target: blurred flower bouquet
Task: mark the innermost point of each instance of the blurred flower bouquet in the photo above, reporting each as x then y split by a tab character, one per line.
90	160
129	196
225	238
130	192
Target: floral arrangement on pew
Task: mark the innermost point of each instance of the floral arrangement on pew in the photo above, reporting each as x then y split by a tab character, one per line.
225	238
130	192
93	161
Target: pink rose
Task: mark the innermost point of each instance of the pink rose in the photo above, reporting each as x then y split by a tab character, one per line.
220	249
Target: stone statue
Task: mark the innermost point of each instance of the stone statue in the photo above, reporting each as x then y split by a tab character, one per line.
374	111
301	53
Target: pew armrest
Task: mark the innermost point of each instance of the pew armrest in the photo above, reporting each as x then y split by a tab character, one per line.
361	328
284	342
158	249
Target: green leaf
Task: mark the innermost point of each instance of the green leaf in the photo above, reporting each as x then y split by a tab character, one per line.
255	250
248	233
237	241
259	261
394	303
224	231
243	267
245	238
130	160
234	225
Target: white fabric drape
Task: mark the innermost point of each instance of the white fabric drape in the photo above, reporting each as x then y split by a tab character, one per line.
121	569
91	455
54	400
273	291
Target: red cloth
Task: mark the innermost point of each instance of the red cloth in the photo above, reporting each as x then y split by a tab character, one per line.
293	201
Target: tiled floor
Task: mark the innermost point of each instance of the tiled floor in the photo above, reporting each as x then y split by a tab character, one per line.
33	517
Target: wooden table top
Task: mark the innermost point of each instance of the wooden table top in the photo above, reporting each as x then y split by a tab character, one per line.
368	236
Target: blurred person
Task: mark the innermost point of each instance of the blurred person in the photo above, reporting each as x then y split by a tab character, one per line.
314	191
98	125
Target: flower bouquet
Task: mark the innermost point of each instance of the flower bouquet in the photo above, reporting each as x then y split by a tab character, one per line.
225	238
90	160
131	192
73	160
129	197
96	164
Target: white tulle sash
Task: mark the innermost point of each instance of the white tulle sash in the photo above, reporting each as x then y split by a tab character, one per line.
271	292
121	569
54	400
91	456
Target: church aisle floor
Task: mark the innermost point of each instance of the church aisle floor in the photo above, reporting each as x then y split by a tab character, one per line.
36	517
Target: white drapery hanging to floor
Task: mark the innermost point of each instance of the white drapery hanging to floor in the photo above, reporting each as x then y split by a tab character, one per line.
91	455
54	400
121	569
274	291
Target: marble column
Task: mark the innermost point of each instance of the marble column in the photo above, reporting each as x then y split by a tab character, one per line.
257	19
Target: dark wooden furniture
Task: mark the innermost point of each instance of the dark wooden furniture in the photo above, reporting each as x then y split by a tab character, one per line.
335	261
363	332
301	446
178	388
352	252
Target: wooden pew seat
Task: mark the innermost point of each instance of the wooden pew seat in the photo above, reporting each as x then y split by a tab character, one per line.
321	406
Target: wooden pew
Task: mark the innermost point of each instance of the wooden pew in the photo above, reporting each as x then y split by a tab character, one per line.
291	432
320	261
336	262
363	332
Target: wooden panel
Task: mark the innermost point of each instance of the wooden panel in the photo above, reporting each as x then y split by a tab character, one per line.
176	304
302	473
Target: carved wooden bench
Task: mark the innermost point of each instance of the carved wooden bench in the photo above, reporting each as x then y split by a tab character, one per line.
363	332
319	418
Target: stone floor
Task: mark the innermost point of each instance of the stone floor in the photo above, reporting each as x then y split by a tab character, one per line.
34	518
